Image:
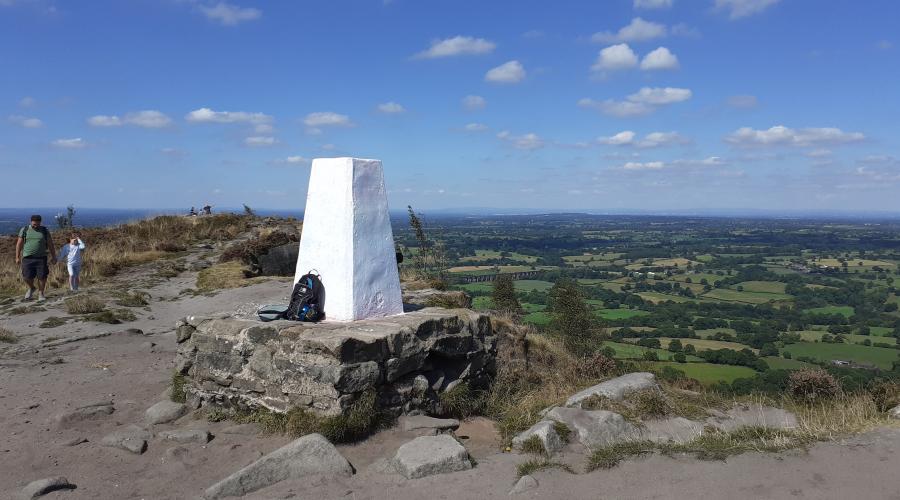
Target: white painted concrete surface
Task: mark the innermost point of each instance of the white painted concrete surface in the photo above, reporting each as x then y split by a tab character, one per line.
347	238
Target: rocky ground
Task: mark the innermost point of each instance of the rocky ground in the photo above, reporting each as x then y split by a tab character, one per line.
74	403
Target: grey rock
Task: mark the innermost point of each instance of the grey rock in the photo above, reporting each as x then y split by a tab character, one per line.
201	436
677	430
429	455
183	332
525	483
595	429
41	487
83	413
895	412
74	441
311	455
242	429
754	415
420	384
131	438
164	412
545	432
616	388
280	260
410	423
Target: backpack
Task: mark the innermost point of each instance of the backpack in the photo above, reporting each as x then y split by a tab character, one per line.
304	305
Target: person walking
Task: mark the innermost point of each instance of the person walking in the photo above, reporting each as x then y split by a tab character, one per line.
32	247
72	251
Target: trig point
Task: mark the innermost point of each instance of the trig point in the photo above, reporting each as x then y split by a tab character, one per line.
347	239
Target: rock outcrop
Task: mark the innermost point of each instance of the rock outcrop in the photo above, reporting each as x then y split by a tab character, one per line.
429	455
324	367
616	388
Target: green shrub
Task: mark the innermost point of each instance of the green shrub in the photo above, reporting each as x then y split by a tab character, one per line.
885	393
462	402
813	385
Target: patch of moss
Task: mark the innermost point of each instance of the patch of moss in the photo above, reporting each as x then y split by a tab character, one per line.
177	393
563	431
534	465
52	322
534	446
112	317
133	299
610	456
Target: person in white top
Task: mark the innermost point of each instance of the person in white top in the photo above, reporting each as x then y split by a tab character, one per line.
72	253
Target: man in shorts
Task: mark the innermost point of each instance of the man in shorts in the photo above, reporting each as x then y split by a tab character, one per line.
32	247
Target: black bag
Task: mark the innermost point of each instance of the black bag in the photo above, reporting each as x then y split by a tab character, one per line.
305	298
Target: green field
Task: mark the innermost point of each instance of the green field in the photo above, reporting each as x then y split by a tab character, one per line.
707	345
745	297
620	313
482	303
631	351
695	278
881	357
762	286
881	331
656	297
481	255
704	334
708	373
529	285
846	311
814	335
779	363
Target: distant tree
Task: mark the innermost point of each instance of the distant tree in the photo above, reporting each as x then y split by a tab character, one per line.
786	355
570	318
650	355
680	358
689	349
504	295
67	220
768	350
675	345
416	224
249	211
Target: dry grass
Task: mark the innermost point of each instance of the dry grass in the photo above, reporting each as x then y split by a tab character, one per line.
531	466
84	304
227	275
113	249
7	336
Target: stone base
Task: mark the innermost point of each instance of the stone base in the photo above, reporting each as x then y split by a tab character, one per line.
324	367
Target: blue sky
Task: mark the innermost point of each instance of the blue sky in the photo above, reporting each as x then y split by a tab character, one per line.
603	105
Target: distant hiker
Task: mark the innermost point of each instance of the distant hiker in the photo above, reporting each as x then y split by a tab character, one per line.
31	251
207	209
193	212
72	252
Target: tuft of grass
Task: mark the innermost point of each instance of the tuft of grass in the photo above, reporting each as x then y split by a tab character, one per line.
15	311
721	445
534	446
83	304
563	431
177	393
7	336
651	404
112	317
534	465
52	322
232	274
610	456
170	269
133	299
462	402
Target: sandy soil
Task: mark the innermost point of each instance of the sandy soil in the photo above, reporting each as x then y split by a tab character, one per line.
132	370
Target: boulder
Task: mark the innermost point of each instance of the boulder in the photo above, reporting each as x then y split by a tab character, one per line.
545	432
280	260
82	413
417	422
678	430
595	429
616	388
429	297
429	455
753	415
895	412
201	436
43	486
164	412
311	455
525	483
131	438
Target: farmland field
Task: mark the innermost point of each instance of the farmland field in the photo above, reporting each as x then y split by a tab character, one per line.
762	286
481	255
745	297
843	310
620	313
631	351
779	363
708	373
879	356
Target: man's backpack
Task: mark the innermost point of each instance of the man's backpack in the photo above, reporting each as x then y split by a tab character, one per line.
305	298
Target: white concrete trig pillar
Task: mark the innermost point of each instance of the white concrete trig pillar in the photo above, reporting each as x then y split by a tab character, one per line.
347	238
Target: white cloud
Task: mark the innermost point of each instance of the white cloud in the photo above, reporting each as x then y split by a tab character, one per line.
104	121
818	153
660	95
263	128
623	138
650	165
475	127
327	119
661	58
884	45
652	4
509	72
780	135
174	152
206	115
27	102
660	139
474	102
391	108
146	119
260	141
743	101
26	122
457	46
638	30
615	57
621	109
742	8
294	160
527	141
229	15
684	30
712	161
76	143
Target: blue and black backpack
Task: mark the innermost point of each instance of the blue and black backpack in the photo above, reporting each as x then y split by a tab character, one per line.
304	305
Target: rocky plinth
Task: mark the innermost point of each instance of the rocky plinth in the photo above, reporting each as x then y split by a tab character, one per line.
408	360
